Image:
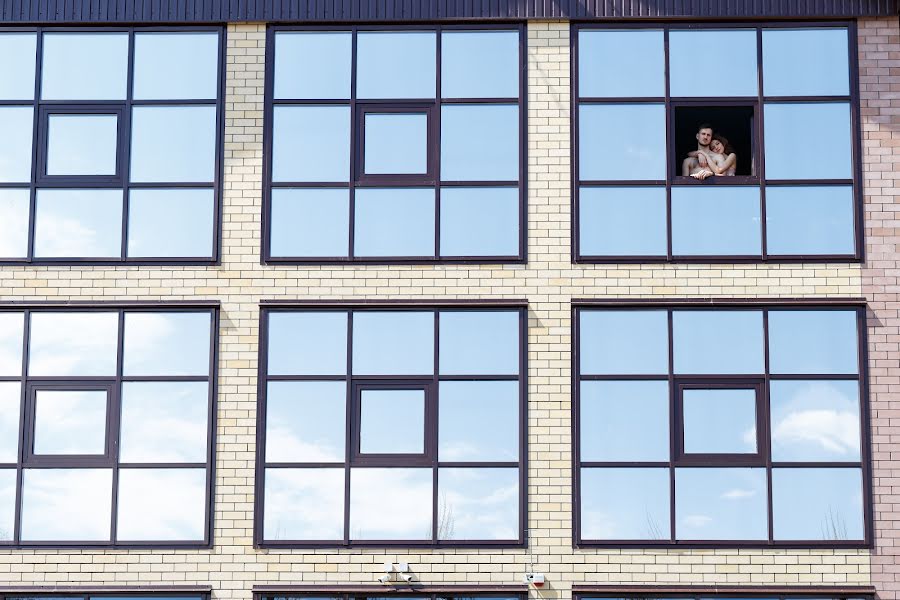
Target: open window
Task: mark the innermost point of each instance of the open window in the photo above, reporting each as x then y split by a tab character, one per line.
731	131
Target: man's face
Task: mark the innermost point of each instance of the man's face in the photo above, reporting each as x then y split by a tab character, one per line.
704	136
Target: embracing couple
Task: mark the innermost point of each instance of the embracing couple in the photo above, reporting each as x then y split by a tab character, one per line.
713	156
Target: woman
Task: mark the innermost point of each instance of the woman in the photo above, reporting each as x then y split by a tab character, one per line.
720	160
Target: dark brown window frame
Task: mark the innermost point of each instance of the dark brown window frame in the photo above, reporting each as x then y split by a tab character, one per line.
365	109
138	592
675	460
704	592
758	180
45	180
398	590
356	181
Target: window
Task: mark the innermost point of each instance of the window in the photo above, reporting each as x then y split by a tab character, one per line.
111	145
392	426
729	424
395	145
106	419
782	136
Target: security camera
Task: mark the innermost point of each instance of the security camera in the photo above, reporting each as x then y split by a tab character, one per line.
384	579
535	579
407	577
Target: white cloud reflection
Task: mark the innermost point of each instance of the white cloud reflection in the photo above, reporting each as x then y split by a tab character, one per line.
66	504
815	420
304	504
390	504
73	343
161	504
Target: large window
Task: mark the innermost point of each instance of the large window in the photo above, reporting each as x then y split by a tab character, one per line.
397	144
110	145
739	424
707	143
106	420
391	426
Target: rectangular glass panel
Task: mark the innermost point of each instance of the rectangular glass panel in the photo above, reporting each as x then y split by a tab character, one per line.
82	144
17	69
161	504
304	504
719	421
402	514
396	143
818	64
480	142
712	63
311	343
478	421
7	504
73	343
621	63
817	504
164	422
810	220
70	422
793	129
622	221
66	504
815	420
716	220
396	65
310	222
176	66
622	141
624	421
15	152
479	221
167	343
625	504
393	343
479	343
394	222
813	342
80	223
624	342
480	64
173	143
478	504
14	208
392	422
327	77
721	504
171	223
306	421
10	400
84	66
12	325
311	143
718	341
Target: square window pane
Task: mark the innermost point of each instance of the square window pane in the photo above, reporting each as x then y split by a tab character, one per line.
713	63
10	400
167	343
810	220
390	504
176	66
14	208
813	341
78	224
66	505
17	124
306	421
624	421
395	65
304	504
393	343
824	126
326	77
637	509
173	143
392	422
479	343
70	422
815	420
17	69
817	504
164	421
311	143
396	143
478	504
721	504
82	144
311	343
84	66
7	504
478	421
624	342
719	421
718	341
73	343
171	223
310	222
161	504
480	142
637	69
716	220
12	325
480	64
479	221
621	141
622	221
394	222
818	65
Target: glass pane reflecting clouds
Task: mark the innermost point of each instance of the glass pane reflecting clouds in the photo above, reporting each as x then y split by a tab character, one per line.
622	342
480	142
624	420
78	223
73	343
637	508
161	504
622	221
815	420
480	64
313	343
478	421
171	223
310	222
82	144
818	64
14	206
164	422
478	504
17	69
392	422
394	222
395	65
720	504
70	422
167	343
479	343
719	421
817	504
10	400
84	66
792	130
393	343
813	341
638	68
311	143
396	143
176	66
12	325
7	503
17	125
712	63
173	143
479	221
326	77
306	421
719	341
304	504
66	504
622	141
716	220
810	220
390	504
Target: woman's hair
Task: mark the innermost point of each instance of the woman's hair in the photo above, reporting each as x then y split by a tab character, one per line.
725	142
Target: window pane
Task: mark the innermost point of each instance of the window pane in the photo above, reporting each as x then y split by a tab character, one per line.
818	64
810	220
712	63
395	65
622	141
70	422
161	504
173	143
82	144
15	152
817	504
392	422
10	400
622	221
718	341
813	341
311	143
66	504
398	511
304	504
479	343
7	504
393	343
167	343
621	63
396	143
624	421
73	343
394	222
78	223
84	66
306	421
638	509
478	504
313	343
175	66
721	504
480	142
623	342
164	422
480	221
17	69
12	325
14	208
326	77
719	421
310	222
815	420
478	421
825	126
715	220
171	223
480	64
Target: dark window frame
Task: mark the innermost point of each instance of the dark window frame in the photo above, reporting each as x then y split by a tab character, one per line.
427	178
703	592
424	592
355	181
673	179
45	180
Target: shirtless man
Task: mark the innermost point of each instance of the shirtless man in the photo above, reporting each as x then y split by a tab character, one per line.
697	166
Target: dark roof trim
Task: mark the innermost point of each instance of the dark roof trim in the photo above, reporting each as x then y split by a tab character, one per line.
331	11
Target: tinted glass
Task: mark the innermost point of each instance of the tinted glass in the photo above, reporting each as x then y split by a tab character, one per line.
17	70
638	510
817	504
624	342
478	421
70	422
15	151
479	343
715	220
10	399
7	503
719	421
84	66
305	421
12	325
721	341
66	504
166	343
815	420
402	514
479	221
480	142
480	64
394	222
624	420
14	206
161	504
73	343
393	343
164	422
818	64
622	141
813	341
82	144
304	504
712	63
396	143
311	143
78	223
313	343
171	223
392	422
173	143
791	130
310	222
638	68
720	504
395	65
175	66
326	77
622	221
478	504
810	220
